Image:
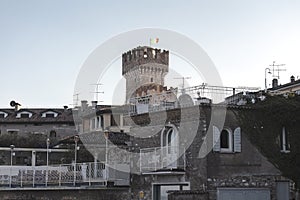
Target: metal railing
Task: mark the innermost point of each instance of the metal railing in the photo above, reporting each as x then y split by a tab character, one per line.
162	158
68	175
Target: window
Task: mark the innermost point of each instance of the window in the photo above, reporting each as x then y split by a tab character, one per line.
49	114
151	80
114	119
3	115
12	132
24	114
93	124
98	124
102	121
226	141
284	141
52	134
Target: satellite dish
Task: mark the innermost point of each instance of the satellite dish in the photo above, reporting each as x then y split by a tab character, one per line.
12	103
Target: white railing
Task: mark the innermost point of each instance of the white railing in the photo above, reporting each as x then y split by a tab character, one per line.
61	175
162	158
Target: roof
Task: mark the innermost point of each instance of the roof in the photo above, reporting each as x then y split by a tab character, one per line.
98	138
284	86
64	116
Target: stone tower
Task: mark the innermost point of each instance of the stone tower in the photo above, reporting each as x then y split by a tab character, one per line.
142	67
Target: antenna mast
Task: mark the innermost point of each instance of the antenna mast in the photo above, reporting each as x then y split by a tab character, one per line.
183	78
277	70
75	100
97	90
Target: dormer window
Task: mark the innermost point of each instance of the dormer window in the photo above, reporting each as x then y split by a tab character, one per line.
24	114
3	115
49	114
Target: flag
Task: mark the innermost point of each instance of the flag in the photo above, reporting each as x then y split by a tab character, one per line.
154	41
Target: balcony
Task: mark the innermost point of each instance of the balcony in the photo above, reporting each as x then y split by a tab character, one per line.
84	174
162	159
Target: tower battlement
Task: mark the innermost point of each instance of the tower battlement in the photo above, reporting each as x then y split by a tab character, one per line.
144	55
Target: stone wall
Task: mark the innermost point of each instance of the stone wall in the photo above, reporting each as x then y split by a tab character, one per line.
80	194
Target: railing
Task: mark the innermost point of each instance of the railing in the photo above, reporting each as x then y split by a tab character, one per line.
87	174
162	159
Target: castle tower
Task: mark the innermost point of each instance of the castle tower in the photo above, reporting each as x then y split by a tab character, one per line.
143	67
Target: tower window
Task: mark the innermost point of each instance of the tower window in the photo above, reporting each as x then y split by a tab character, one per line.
151	80
145	54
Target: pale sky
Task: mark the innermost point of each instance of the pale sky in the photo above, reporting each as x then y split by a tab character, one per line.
43	44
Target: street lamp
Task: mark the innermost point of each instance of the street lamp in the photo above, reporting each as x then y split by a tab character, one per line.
48	143
269	72
11	161
76	139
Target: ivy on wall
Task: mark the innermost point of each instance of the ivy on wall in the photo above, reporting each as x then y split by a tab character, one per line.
263	125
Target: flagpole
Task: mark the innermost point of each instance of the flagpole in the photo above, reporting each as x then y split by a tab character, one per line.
150	42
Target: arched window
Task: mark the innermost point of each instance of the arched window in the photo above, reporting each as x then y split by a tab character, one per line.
169	136
225	139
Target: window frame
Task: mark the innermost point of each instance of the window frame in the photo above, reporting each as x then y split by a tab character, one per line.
229	149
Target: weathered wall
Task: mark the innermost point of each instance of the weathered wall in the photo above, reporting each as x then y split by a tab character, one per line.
81	194
188	195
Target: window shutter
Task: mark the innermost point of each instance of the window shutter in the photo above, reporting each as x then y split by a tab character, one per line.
216	139
237	140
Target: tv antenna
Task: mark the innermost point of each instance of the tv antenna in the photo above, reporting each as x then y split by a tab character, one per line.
75	100
277	70
183	79
97	92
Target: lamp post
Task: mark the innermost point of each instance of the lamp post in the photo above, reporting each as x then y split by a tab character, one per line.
269	72
48	143
76	139
11	161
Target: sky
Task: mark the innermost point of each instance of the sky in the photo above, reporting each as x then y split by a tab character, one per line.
43	44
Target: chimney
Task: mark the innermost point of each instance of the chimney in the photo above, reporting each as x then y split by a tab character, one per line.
292	79
94	104
275	83
65	108
84	105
